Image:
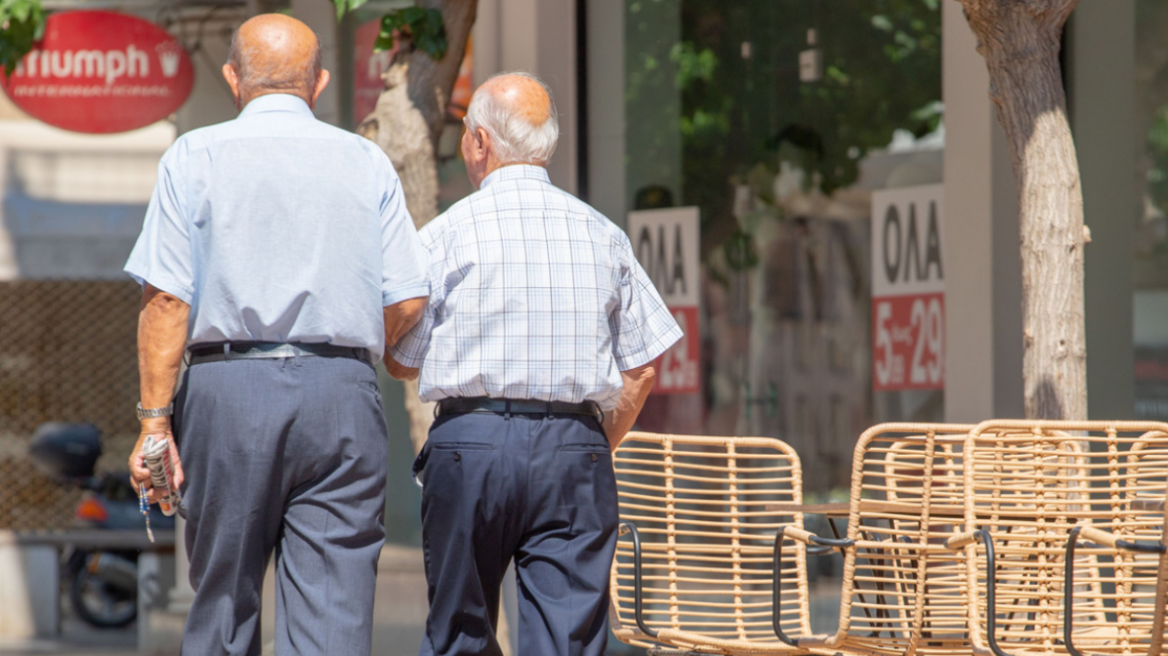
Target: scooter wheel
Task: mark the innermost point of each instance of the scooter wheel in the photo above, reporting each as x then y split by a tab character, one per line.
100	604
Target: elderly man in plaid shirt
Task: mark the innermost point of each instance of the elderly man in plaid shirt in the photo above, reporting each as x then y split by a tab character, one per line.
537	344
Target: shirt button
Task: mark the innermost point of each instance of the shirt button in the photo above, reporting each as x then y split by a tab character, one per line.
457	456
595	457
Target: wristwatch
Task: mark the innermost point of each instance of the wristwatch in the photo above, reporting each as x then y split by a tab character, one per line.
148	413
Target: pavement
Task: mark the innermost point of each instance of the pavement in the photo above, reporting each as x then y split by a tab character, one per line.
399	617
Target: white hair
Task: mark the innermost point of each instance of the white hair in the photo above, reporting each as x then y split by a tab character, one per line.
515	140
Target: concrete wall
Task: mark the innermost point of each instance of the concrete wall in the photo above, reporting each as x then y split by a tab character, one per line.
983	336
539	37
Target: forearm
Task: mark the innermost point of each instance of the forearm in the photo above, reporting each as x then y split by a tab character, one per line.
638	383
401	317
162	339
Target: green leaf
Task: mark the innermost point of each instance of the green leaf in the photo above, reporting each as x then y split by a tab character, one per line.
22	23
423	27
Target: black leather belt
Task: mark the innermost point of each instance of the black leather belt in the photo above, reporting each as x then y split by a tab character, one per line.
269	350
456	406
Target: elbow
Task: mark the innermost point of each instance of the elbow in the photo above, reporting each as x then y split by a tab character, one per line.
649	375
648	379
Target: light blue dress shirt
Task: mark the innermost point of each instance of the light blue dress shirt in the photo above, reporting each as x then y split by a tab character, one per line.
277	227
533	295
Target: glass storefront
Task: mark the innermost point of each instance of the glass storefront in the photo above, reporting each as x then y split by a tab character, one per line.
778	119
1150	281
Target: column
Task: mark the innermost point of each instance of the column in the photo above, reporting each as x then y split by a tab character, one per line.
983	280
538	37
606	108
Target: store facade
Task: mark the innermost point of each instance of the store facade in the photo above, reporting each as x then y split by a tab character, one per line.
857	255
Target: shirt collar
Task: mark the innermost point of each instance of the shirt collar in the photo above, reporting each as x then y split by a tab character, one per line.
277	102
515	172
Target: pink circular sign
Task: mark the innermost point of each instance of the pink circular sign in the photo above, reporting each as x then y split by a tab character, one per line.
101	72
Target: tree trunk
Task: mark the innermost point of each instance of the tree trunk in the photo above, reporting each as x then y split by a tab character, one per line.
1020	41
406	123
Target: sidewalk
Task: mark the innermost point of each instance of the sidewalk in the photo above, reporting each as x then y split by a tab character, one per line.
399	617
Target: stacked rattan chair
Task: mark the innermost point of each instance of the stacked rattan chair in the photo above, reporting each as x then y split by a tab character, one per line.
696	518
1132	531
1011	538
904	593
1031	485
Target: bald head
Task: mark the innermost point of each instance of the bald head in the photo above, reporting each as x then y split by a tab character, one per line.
516	109
273	53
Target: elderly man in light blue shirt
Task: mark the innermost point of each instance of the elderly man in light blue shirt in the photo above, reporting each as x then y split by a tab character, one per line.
278	255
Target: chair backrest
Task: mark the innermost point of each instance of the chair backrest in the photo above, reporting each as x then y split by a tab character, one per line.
1029	483
1143	577
700	505
903	591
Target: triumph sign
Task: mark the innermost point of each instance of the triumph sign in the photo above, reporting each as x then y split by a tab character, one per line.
101	72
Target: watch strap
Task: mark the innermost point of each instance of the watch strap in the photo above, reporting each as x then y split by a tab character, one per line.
148	413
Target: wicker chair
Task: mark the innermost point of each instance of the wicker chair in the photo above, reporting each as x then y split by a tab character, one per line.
904	593
695	518
1029	484
1133	531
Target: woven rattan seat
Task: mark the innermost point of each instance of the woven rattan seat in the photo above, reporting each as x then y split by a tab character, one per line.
699	508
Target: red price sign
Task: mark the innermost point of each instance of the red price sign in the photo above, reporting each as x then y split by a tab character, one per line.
678	368
908	344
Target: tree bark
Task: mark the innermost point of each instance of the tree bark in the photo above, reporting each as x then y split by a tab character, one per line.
406	123
1020	41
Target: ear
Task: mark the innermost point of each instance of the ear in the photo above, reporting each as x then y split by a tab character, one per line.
232	81
322	81
482	143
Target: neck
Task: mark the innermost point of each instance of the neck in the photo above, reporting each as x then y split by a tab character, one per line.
243	99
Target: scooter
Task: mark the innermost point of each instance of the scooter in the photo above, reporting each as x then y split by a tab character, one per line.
103	583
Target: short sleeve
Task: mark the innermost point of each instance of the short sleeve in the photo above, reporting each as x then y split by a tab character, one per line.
403	273
642	326
410	350
162	255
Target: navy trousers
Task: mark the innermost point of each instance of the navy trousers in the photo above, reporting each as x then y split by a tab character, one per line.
285	456
535	488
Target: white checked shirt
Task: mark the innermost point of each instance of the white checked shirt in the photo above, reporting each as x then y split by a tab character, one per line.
533	295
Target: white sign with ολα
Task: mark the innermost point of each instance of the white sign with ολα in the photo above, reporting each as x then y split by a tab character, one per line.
908	289
666	243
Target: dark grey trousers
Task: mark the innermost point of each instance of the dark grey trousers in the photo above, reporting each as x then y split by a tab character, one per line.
284	455
537	489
